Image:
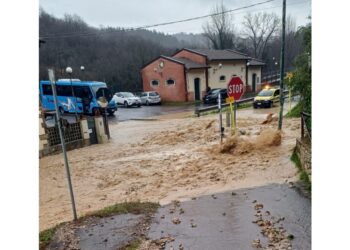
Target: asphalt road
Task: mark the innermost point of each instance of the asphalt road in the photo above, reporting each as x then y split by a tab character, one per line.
144	112
225	220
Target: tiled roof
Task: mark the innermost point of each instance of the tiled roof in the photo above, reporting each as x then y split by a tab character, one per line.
189	64
256	62
213	54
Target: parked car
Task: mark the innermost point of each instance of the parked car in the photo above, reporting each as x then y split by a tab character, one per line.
150	97
213	95
266	98
127	99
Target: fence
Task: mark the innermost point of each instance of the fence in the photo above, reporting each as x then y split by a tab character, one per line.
305	126
72	132
77	133
198	111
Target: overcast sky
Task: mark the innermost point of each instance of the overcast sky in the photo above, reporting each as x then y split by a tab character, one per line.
135	13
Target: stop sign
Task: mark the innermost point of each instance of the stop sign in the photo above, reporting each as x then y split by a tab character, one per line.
235	88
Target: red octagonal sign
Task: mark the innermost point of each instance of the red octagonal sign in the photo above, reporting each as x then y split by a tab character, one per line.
235	88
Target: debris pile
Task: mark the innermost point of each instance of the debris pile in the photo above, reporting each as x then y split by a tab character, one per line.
278	239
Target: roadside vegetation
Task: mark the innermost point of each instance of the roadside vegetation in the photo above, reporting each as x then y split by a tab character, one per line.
303	176
148	208
294	112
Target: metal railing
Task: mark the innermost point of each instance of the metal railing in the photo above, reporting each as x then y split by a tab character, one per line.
305	131
198	111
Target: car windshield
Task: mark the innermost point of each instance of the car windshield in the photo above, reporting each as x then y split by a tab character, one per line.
127	94
153	94
265	92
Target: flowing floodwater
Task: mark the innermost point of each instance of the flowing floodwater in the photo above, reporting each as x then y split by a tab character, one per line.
166	159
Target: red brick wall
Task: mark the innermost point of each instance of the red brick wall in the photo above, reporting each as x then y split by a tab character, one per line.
175	71
192	56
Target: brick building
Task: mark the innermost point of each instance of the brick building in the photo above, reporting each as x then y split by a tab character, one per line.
186	75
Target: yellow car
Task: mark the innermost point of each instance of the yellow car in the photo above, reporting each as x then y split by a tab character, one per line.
266	98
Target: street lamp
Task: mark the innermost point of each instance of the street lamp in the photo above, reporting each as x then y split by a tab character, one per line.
246	74
69	71
82	68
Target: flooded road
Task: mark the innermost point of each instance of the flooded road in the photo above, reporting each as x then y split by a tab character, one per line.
165	160
224	220
143	112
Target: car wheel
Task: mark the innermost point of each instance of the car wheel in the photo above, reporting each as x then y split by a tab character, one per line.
126	104
147	103
138	105
111	113
254	106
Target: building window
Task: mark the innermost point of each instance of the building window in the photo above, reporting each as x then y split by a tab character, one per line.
222	78
154	83
170	81
234	75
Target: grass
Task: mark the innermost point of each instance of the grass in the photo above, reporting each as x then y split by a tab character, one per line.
46	236
137	207
127	207
303	176
294	112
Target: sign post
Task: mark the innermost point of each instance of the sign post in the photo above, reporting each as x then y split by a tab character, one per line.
289	76
221	130
58	120
235	90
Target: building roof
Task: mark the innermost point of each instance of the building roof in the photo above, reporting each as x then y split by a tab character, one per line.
256	62
189	64
215	54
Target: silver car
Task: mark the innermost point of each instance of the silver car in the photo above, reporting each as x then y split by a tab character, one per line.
150	97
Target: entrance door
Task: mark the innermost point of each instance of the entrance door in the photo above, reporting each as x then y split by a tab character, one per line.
197	85
254	82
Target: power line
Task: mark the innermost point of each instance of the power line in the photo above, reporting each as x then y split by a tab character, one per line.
273	7
52	36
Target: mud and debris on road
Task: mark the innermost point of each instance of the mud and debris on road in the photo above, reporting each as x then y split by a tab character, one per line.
274	217
166	160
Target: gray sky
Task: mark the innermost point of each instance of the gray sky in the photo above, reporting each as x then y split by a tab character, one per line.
134	13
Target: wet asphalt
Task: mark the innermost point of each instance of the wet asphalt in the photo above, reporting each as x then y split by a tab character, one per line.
109	233
219	221
224	221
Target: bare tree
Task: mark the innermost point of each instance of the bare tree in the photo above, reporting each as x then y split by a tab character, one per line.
219	30
259	29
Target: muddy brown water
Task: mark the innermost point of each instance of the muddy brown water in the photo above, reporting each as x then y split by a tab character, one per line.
224	221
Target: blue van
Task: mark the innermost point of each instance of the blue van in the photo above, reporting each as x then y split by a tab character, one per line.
86	97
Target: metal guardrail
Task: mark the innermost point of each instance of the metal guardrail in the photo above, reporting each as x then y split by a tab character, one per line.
198	111
304	117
